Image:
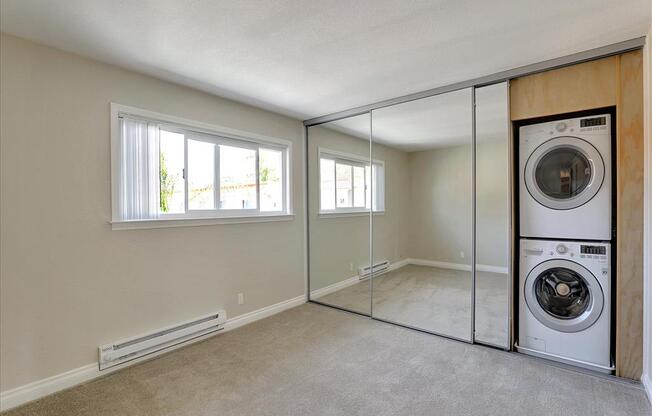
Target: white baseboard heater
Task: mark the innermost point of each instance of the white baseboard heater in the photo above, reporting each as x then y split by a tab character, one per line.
130	349
378	268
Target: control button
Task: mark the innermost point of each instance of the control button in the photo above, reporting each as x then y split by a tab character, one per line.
561	126
562	249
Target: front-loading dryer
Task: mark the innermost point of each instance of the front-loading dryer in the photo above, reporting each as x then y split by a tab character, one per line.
565	302
565	179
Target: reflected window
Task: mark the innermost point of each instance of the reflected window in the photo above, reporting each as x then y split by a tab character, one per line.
348	183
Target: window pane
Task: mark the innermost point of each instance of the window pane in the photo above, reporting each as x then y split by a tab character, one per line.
201	175
271	180
367	197
237	178
378	187
172	184
327	178
358	186
344	189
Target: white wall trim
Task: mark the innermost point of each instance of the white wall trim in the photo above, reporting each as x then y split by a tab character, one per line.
327	290
41	388
194	222
647	385
647	219
318	293
459	266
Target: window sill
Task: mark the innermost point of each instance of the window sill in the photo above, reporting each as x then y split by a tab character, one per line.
195	222
348	214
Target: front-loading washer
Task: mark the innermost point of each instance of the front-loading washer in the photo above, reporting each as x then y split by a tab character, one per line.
565	179
565	302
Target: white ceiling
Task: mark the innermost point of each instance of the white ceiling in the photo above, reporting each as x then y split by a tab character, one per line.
307	58
435	122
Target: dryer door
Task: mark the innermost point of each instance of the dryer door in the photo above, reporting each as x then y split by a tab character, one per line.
564	173
564	295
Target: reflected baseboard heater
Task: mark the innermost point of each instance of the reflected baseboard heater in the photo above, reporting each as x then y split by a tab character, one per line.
378	268
148	344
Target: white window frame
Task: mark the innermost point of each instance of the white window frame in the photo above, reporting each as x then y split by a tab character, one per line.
353	160
194	130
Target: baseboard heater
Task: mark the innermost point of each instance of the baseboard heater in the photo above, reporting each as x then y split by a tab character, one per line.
378	268
125	350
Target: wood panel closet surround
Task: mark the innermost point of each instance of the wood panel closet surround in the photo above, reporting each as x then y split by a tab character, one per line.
613	81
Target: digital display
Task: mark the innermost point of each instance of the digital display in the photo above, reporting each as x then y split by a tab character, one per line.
593	250
593	121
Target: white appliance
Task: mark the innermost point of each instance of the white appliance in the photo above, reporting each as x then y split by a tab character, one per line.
565	302
565	179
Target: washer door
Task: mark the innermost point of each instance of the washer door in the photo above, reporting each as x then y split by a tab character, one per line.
563	295
564	173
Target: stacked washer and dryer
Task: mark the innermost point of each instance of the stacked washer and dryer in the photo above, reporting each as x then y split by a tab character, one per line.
565	204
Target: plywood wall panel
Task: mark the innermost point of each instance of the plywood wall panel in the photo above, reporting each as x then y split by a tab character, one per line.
629	302
618	81
579	87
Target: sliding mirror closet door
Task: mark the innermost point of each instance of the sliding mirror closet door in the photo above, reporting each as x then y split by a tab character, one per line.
422	232
492	287
339	206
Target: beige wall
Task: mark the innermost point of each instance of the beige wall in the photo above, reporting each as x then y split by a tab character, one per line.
428	210
68	282
340	244
440	204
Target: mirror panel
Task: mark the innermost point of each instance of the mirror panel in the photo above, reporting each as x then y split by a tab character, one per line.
425	231
339	213
492	285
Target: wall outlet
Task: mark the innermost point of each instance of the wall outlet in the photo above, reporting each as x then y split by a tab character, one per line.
240	298
461	254
351	266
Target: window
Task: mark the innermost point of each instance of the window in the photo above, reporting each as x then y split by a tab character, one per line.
348	183
166	170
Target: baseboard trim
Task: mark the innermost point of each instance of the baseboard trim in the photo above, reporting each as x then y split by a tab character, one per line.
41	388
458	266
327	290
647	386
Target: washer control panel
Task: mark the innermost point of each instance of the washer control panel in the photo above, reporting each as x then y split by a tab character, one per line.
591	249
566	249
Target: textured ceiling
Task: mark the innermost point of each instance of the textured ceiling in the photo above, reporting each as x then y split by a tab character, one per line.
306	58
435	122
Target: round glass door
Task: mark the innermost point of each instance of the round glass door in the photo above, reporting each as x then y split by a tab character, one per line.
564	173
563	295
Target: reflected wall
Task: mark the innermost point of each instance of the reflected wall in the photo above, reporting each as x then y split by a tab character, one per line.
492	279
339	213
430	287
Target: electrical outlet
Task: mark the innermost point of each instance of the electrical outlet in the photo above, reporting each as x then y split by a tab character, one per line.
240	298
461	254
351	266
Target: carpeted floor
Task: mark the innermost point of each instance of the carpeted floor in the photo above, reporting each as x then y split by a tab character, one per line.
434	299
314	360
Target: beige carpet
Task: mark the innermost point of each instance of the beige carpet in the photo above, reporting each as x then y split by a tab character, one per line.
315	360
433	299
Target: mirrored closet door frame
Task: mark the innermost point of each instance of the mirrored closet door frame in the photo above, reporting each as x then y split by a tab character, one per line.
472	336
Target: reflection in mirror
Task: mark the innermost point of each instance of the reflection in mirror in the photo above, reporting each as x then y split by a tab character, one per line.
339	206
425	232
492	216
